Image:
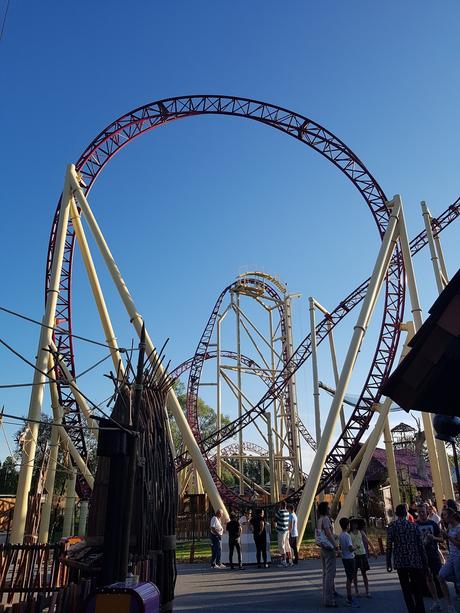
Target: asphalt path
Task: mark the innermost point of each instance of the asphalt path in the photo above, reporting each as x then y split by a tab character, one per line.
284	590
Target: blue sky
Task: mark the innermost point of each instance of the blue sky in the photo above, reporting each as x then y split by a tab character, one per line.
188	207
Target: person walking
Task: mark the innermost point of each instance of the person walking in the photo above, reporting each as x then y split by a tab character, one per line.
260	537
216	531
348	559
451	569
406	553
293	532
234	533
328	548
431	537
282	531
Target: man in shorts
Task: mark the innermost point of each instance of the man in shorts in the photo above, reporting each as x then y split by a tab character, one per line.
282	530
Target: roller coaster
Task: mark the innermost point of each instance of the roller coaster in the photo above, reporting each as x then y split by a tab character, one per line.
279	380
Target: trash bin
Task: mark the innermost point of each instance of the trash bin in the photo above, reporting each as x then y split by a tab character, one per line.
125	598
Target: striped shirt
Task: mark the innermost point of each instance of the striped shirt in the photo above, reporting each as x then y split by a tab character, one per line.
282	520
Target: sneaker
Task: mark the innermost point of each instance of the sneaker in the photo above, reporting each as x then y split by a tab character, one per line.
291	563
282	565
265	565
352	604
436	606
221	566
241	567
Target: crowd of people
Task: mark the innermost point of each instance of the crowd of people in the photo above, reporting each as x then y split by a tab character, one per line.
413	549
285	523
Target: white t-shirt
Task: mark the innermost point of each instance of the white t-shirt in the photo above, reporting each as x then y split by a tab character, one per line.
434	517
293	519
345	544
215	523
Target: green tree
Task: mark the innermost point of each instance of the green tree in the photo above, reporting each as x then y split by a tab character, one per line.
8	476
207	418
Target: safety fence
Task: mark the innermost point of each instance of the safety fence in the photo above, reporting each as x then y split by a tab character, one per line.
189	527
31	571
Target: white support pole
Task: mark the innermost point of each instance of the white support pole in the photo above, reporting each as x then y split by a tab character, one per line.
219	395
314	367
83	519
137	321
39	380
67	444
433	252
375	284
79	399
350	468
391	463
96	289
335	369
239	391
69	509
45	516
442	480
373	439
296	454
274	493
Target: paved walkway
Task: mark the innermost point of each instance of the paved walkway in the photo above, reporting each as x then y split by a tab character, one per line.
286	590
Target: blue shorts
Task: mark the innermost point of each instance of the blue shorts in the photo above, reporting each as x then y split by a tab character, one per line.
451	570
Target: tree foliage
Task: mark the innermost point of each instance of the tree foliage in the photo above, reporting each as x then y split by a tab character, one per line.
207	418
8	476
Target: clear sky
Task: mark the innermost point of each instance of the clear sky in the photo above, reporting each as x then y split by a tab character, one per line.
188	207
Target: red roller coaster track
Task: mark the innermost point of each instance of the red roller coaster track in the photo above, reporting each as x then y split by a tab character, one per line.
143	119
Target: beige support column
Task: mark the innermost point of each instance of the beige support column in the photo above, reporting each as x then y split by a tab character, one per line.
76	457
351	467
96	289
369	302
442	480
374	436
43	531
84	504
274	493
314	366
39	380
79	399
391	463
433	252
137	321
69	509
295	451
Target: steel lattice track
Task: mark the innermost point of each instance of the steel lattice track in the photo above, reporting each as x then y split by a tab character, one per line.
143	119
256	369
345	307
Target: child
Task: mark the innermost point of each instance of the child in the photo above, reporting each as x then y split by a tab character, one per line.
348	559
359	538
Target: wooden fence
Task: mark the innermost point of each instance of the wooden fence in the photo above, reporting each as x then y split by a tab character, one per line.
31	571
187	525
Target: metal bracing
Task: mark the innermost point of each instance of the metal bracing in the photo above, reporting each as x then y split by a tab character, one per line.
138	323
377	278
150	116
372	443
39	380
442	480
137	122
